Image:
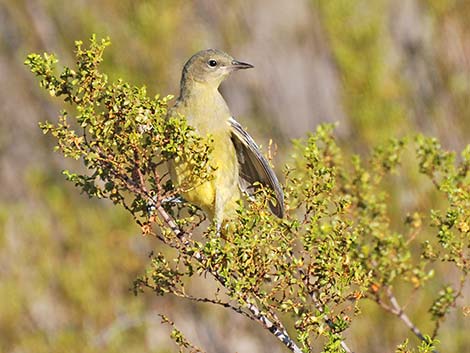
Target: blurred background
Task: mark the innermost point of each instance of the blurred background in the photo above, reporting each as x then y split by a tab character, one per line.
380	68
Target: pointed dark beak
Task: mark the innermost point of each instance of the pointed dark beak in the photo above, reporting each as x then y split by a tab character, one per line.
241	65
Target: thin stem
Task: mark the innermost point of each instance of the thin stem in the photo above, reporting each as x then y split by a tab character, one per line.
395	309
328	321
398	311
227	305
456	296
280	334
185	343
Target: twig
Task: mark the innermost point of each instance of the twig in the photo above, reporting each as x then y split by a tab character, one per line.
328	321
455	297
281	335
398	311
182	341
319	307
216	302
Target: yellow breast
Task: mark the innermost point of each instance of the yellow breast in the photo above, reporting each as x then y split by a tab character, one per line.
218	196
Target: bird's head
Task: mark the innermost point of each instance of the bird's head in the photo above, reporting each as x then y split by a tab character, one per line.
210	67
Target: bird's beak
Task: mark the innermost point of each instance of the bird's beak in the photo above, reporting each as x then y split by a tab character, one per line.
238	65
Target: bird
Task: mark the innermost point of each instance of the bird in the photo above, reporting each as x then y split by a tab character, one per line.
240	167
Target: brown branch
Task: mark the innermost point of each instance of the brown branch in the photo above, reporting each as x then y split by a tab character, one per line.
280	334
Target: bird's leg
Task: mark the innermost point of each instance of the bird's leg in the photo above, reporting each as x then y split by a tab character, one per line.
219	211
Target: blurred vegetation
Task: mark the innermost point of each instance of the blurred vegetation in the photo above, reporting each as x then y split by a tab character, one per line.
380	68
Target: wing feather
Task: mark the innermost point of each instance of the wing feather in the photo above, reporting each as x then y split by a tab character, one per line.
254	167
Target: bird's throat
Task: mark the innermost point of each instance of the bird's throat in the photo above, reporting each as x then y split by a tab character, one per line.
205	109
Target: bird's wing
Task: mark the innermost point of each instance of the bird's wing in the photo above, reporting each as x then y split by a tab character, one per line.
254	167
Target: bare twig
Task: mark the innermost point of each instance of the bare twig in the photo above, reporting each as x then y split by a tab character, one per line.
227	305
398	311
395	309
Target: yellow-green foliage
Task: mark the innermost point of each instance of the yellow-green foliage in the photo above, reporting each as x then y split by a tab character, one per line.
309	272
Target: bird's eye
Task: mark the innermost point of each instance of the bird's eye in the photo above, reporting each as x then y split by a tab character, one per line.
212	63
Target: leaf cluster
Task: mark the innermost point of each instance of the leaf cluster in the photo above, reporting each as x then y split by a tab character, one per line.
121	135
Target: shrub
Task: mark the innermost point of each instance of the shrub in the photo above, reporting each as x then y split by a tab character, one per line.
301	277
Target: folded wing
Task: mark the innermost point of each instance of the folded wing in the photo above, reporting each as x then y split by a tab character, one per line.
254	167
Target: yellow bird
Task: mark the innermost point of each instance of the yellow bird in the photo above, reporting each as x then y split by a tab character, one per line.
237	159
